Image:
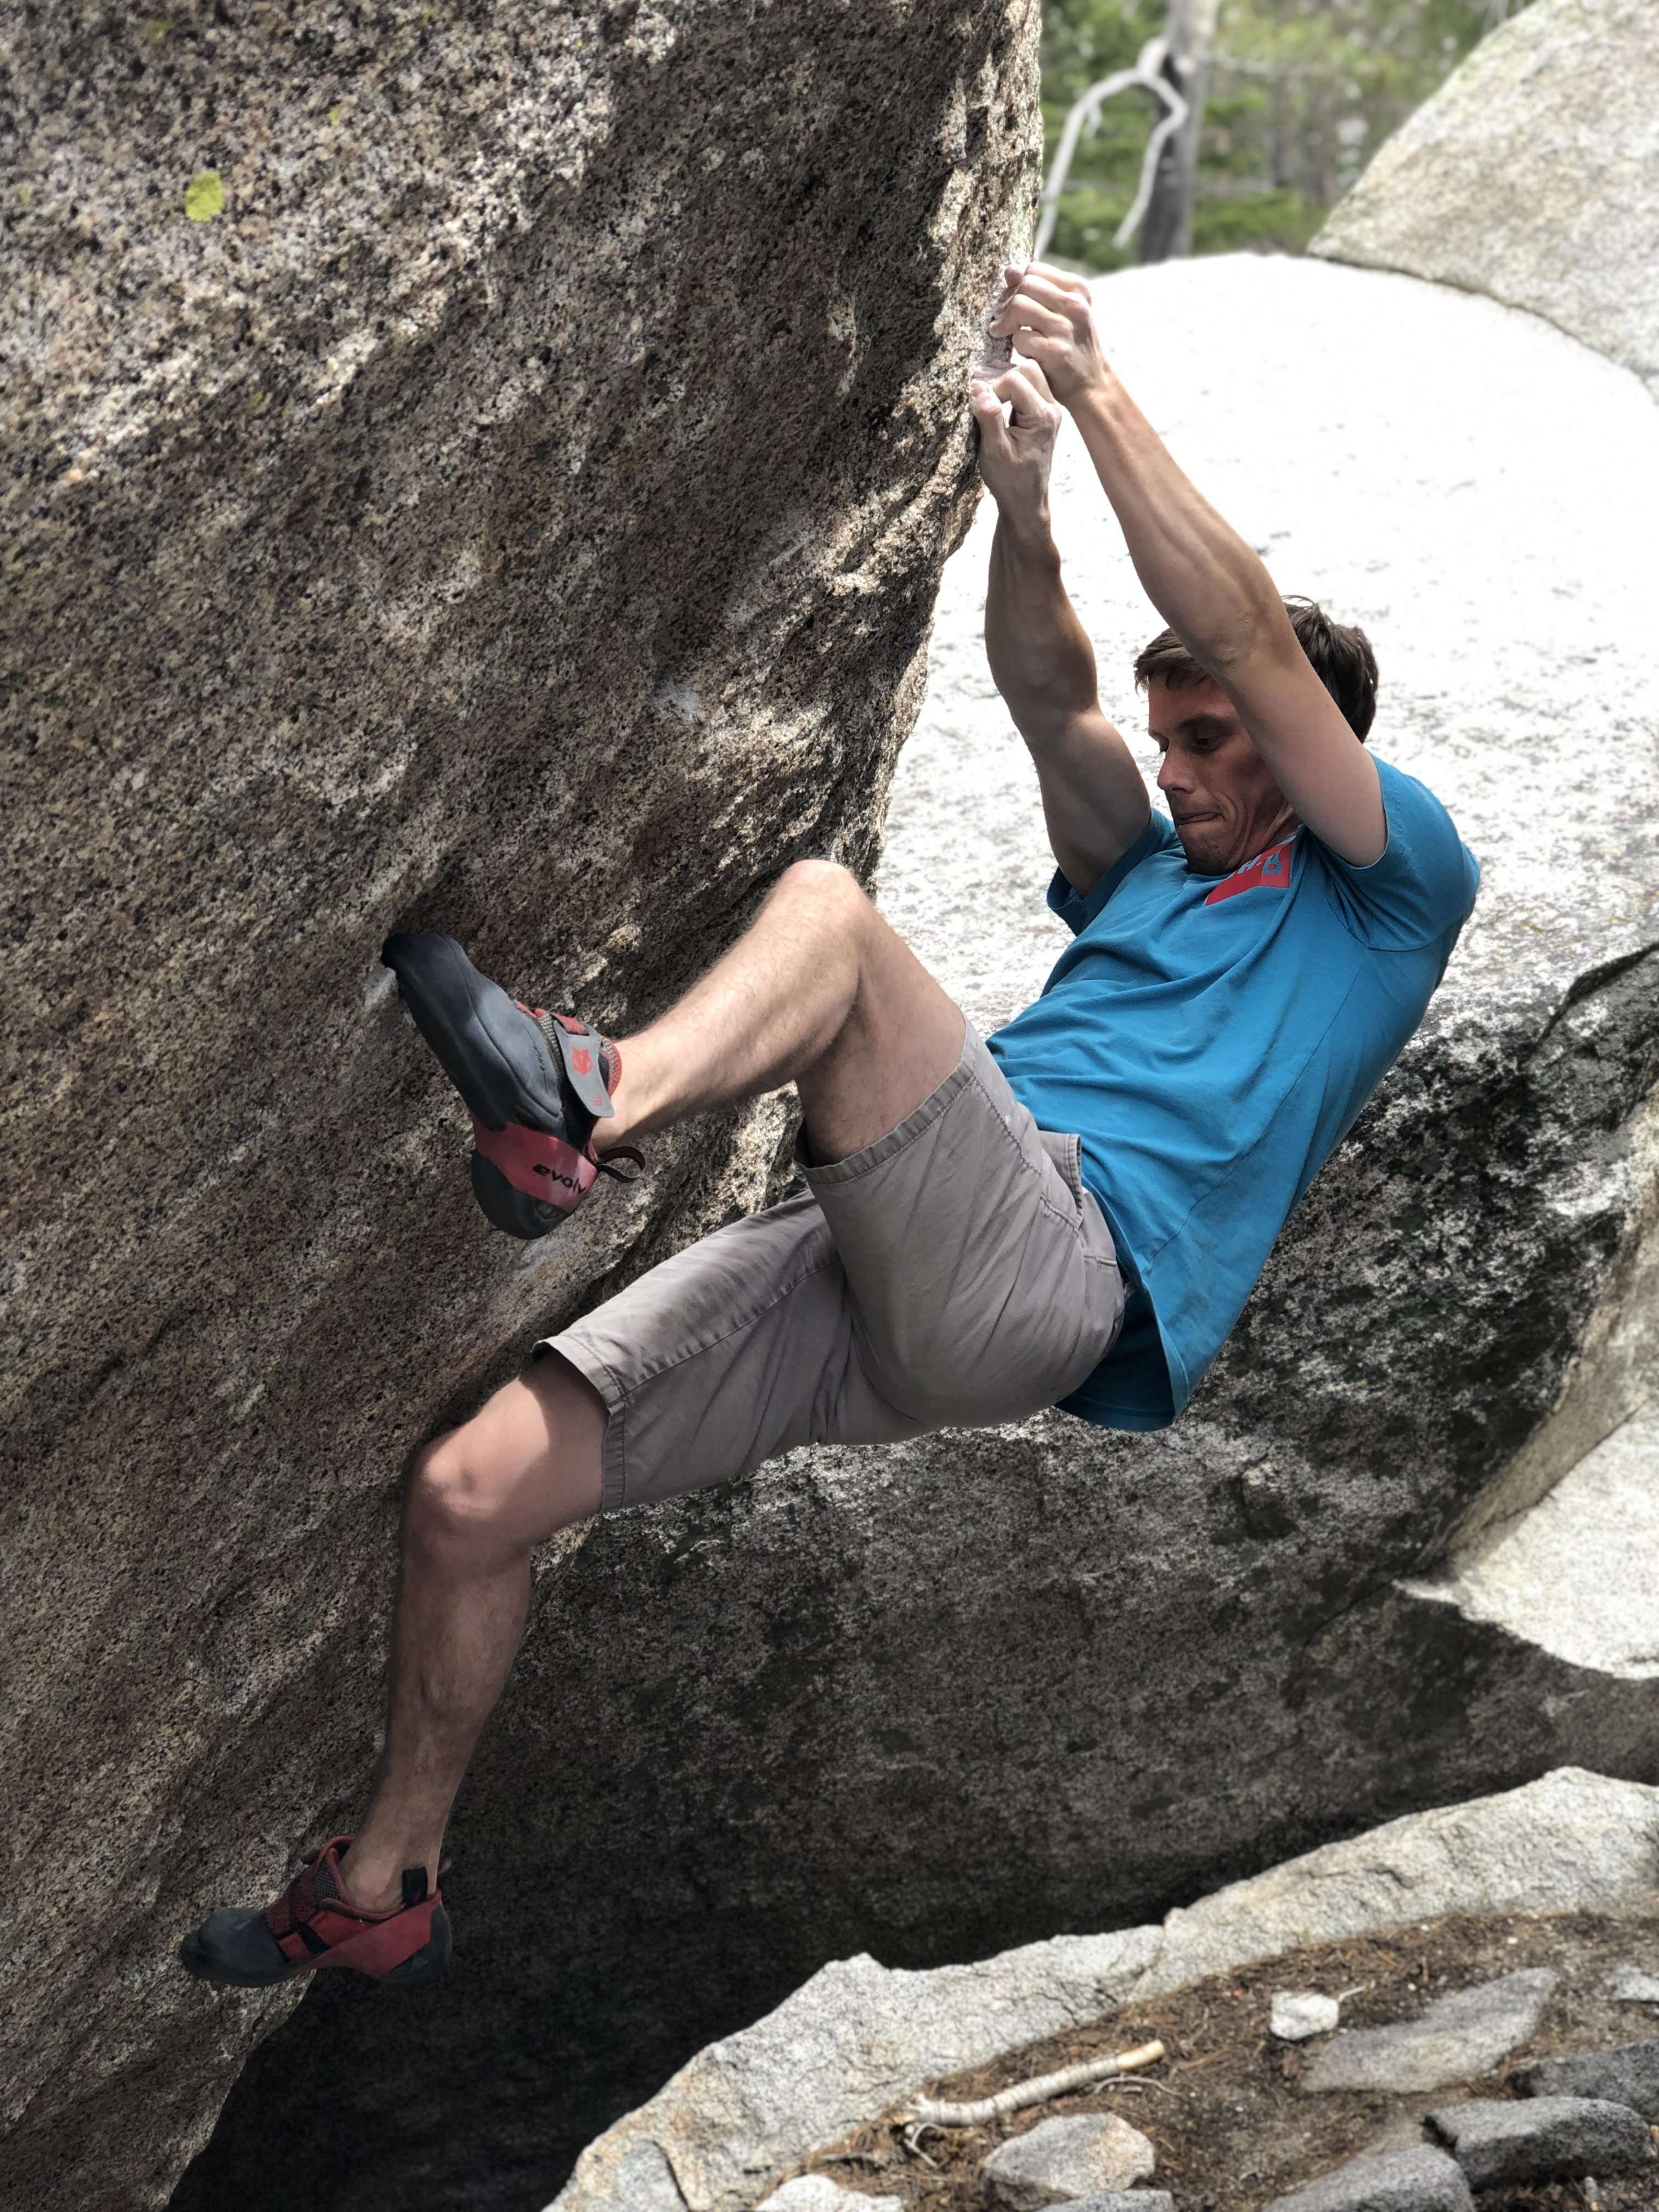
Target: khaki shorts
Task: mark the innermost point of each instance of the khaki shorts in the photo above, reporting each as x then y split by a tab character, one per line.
953	1275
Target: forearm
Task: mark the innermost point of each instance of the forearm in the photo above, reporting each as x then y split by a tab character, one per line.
1209	586
1042	661
1093	800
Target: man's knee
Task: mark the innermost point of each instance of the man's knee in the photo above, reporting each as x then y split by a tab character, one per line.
826	883
528	1463
458	1500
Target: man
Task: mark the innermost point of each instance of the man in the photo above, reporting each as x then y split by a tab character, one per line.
1074	1215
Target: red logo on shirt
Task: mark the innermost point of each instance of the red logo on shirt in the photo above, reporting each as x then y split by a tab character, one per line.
1269	872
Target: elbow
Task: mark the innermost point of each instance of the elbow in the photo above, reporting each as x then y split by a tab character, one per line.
1252	630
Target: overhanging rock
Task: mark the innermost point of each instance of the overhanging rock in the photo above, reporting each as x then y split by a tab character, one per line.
486	469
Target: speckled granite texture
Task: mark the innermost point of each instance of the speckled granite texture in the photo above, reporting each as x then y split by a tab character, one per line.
485	467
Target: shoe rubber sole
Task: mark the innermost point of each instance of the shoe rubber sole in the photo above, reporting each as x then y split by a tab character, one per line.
240	1961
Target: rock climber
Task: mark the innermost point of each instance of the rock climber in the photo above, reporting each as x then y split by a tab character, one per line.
1070	1213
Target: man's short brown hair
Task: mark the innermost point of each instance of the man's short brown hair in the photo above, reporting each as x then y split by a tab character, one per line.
1341	656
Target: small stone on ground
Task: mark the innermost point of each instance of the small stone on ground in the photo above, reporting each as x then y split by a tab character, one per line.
1460	2036
1543	2139
1421	2180
1632	1986
816	2192
1298	2013
1058	2161
1628	2075
1125	2202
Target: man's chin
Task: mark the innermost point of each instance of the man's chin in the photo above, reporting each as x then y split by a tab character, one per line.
1206	856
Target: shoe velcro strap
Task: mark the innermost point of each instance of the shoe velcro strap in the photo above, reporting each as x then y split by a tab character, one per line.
537	1165
310	1889
583	1052
297	1902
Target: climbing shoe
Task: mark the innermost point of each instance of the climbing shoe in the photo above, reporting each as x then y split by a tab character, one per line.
314	1924
535	1083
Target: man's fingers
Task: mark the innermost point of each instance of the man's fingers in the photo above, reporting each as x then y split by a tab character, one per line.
1027	343
1062	279
1015	273
1022	387
987	413
1023	312
1026	389
1063	298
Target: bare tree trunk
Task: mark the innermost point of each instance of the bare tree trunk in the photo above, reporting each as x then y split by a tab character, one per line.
1167	231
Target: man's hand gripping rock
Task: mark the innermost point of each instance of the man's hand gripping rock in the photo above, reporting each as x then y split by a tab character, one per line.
1047	316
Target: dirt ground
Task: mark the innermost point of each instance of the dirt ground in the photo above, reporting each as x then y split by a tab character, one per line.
1232	2129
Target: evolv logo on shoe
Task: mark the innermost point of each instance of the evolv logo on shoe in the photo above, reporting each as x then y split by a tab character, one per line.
1269	872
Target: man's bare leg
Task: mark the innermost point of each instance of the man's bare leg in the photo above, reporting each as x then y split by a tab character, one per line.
821	991
527	1464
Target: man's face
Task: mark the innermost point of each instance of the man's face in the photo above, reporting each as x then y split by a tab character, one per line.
1226	806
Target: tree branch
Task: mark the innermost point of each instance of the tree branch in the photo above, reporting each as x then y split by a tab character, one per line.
1084	114
924	2111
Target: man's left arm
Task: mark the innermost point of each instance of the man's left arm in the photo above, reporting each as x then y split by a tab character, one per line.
1209	586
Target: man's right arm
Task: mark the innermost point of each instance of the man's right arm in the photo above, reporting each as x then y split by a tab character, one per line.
1094	800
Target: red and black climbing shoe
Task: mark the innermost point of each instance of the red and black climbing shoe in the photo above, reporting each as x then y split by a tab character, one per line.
536	1084
314	1924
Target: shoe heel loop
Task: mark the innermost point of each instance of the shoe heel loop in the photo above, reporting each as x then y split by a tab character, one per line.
607	1164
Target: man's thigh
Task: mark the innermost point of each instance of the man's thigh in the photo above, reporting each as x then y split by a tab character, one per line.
899	1044
983	1277
737	1349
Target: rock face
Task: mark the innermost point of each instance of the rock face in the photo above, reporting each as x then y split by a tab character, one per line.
1579	1574
1532	176
930	1701
486	469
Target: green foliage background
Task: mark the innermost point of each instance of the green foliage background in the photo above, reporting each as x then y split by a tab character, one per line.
1301	92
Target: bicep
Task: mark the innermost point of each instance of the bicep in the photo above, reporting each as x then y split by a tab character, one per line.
1318	761
1094	798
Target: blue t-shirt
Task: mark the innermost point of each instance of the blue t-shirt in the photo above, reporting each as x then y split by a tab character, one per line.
1209	1041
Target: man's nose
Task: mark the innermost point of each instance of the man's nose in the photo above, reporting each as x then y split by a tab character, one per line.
1171	775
